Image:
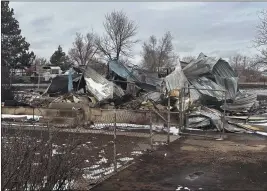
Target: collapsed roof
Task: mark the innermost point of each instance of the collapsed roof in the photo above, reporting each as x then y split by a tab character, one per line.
218	75
144	79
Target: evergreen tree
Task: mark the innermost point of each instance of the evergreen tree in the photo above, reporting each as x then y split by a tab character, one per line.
15	49
59	58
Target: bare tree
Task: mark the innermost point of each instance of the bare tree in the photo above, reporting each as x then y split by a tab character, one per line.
83	49
30	163
260	41
150	60
188	59
235	61
40	61
118	37
160	53
245	67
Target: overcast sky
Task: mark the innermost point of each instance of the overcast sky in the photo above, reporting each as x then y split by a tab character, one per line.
220	29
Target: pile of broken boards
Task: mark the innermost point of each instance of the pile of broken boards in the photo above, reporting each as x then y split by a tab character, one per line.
29	99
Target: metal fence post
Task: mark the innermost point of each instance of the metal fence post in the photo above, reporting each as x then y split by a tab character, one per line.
180	110
33	117
224	120
169	118
114	143
151	132
50	147
182	107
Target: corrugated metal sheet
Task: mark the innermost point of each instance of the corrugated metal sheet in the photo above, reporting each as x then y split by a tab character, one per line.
202	65
223	69
226	77
194	94
147	77
205	83
175	80
241	103
218	68
213	65
212	114
228	83
146	80
121	70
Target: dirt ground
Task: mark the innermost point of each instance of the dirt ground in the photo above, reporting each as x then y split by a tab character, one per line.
96	149
194	163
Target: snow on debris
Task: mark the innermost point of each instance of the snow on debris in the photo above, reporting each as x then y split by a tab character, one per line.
100	91
126	159
55	152
103	160
8	116
90	177
182	188
136	153
261	133
94	166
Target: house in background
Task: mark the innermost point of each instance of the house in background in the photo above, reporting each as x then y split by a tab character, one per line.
49	72
19	72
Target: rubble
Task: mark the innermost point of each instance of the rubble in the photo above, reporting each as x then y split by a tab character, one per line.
208	82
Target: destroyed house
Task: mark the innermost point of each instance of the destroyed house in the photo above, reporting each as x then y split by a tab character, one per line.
121	74
87	79
147	80
212	73
59	84
99	86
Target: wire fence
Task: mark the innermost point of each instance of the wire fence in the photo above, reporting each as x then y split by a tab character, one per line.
65	148
65	152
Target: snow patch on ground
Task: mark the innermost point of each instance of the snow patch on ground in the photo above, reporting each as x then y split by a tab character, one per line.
94	174
174	130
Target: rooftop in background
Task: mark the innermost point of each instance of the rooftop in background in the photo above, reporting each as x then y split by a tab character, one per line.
52	67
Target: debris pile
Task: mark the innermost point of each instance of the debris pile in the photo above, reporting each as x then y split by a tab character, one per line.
205	90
